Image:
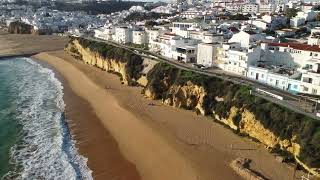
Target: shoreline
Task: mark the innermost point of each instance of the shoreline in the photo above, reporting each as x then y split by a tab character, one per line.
149	165
93	141
181	141
200	146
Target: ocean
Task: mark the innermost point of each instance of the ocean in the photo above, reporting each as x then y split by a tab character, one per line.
35	142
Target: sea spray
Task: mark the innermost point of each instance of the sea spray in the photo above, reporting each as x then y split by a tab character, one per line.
45	149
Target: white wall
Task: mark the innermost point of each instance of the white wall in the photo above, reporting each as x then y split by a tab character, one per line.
206	54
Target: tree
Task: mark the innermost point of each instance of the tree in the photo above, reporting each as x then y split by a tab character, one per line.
316	8
291	12
150	23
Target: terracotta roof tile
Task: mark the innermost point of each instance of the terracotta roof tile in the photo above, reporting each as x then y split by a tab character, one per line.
298	46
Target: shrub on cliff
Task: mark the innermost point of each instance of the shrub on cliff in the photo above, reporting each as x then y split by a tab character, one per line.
133	61
283	122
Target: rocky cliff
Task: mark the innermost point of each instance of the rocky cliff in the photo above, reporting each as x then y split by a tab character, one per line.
20	28
281	130
109	58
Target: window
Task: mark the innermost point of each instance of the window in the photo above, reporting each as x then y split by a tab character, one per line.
262	75
295	86
305	89
251	73
314	91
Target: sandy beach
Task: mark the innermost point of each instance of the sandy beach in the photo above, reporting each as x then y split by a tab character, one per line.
125	138
20	44
161	141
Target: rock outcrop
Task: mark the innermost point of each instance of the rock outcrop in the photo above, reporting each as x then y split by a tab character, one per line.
20	28
127	65
280	129
291	134
241	166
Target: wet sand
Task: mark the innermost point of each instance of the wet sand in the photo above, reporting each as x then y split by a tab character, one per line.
95	142
124	138
161	141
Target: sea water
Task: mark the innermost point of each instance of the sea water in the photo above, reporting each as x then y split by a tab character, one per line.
35	142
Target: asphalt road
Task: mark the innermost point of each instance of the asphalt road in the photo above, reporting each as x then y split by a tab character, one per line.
297	103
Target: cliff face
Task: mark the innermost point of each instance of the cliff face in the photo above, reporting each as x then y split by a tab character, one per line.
20	28
278	128
128	70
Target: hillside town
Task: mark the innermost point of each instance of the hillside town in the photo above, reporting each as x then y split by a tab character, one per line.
253	66
275	42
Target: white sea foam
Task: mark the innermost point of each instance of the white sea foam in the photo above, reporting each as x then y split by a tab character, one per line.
46	150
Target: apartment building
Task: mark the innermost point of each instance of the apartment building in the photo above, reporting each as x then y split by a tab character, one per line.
104	33
250	8
233	58
314	38
139	37
267	8
207	53
175	47
123	35
247	38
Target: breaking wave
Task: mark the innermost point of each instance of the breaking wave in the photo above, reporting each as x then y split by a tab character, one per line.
46	150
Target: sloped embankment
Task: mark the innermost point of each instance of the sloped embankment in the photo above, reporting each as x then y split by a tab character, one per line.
289	133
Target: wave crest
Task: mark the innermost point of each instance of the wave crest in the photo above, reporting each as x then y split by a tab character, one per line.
46	150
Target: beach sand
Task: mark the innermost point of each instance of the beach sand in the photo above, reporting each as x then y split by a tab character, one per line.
164	143
124	138
20	44
95	142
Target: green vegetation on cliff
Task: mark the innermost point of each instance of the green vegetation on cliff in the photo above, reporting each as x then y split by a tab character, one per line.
142	16
133	61
281	121
286	131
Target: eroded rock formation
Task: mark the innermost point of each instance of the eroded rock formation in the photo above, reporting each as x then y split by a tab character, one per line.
280	129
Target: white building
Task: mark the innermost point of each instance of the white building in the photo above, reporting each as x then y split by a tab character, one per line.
276	77
123	35
139	37
235	59
176	47
104	33
302	17
207	53
185	53
309	15
191	14
268	22
234	7
305	80
247	38
297	21
286	32
289	54
267	8
314	38
250	8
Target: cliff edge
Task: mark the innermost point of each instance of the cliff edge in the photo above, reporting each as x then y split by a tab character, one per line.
283	131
